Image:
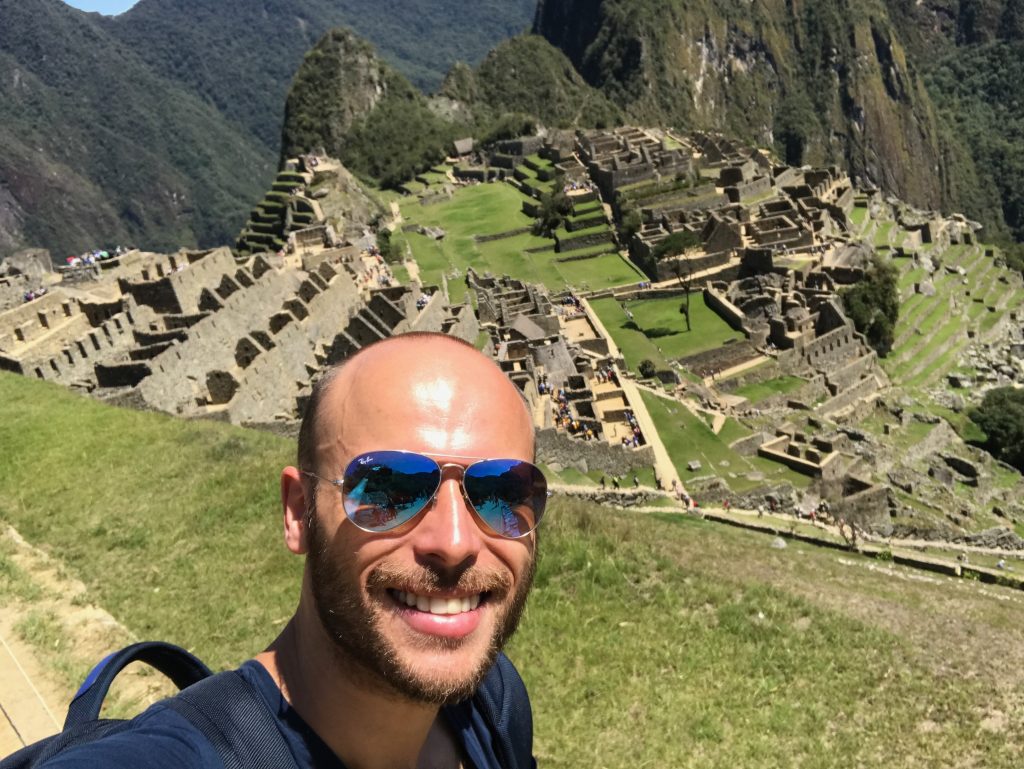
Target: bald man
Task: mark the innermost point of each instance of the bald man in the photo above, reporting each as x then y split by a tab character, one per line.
415	504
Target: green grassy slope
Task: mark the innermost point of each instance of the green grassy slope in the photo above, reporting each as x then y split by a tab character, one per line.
649	640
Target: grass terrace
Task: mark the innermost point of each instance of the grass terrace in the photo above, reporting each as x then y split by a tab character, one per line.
688	437
491	209
658	330
782	385
649	640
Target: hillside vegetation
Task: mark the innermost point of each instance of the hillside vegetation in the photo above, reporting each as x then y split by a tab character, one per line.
347	101
99	150
658	640
250	51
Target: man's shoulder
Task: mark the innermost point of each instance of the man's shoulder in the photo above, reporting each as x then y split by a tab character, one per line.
159	738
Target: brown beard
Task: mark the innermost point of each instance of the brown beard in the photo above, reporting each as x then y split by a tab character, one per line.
361	648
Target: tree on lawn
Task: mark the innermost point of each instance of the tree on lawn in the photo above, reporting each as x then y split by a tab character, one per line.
647	368
554	207
873	304
683	268
1001	417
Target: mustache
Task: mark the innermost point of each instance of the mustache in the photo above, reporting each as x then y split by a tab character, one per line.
427	580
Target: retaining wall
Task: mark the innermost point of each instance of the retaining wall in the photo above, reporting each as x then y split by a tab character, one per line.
557	448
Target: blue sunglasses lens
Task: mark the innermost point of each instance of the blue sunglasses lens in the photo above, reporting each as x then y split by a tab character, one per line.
384	489
509	495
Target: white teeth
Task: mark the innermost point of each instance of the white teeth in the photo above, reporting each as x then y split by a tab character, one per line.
438	605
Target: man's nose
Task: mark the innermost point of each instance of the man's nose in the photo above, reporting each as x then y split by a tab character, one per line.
448	536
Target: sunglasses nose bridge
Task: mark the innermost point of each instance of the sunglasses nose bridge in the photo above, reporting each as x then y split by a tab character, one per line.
449	533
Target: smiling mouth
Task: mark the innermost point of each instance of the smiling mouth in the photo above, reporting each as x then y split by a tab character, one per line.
437	604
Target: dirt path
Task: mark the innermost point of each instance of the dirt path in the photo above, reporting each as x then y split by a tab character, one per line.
30	703
50	636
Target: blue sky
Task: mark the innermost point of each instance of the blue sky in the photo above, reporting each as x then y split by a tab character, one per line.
109	7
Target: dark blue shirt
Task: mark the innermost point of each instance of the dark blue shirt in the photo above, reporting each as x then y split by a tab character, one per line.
161	738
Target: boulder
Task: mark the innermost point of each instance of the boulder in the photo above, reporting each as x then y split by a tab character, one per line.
31	262
693	465
925	288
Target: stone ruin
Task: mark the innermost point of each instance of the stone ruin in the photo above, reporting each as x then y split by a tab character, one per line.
203	333
566	374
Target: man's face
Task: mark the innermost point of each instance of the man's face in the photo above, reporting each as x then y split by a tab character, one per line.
468	586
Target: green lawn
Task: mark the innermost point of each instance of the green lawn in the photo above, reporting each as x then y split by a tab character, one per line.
769	388
649	640
687	437
650	316
488	209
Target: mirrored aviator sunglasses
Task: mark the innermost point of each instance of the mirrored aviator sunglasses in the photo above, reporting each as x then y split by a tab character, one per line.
382	490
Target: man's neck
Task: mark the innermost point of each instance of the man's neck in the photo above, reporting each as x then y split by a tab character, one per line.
365	727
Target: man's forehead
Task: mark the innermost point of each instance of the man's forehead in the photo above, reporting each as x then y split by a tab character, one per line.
432	397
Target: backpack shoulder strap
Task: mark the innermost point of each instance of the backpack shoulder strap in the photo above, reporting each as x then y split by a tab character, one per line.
183	668
504	702
233	716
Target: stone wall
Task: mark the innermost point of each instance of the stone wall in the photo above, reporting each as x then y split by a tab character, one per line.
741	193
721	358
555	447
84	349
269	306
784	452
825	351
583	241
849	374
667	267
850	396
12	291
726	310
32	320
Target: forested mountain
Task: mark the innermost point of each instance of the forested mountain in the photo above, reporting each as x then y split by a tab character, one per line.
241	54
347	101
162	126
95	149
971	53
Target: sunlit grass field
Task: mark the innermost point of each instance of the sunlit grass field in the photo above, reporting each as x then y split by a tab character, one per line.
649	641
658	329
491	209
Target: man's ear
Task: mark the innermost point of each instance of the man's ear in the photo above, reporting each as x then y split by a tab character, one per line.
294	503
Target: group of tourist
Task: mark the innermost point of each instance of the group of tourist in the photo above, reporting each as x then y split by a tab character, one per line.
607	374
711	373
637	438
380	275
543	385
424	300
33	294
571	305
573	186
90	258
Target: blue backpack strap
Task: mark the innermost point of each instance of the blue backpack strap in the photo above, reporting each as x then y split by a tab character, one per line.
235	718
504	703
183	668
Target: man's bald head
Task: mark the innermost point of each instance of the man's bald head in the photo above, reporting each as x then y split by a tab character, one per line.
377	376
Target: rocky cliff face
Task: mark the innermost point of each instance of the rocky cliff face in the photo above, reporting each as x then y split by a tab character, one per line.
828	81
